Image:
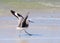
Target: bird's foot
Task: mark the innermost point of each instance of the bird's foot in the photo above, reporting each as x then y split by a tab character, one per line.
30	34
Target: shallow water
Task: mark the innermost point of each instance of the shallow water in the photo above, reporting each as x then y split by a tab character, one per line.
43	30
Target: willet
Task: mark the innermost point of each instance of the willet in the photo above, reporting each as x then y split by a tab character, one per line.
23	22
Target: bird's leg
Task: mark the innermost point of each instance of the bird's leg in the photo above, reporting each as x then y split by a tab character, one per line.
27	33
19	33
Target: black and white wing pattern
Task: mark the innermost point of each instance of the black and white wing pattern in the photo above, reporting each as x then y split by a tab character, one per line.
17	15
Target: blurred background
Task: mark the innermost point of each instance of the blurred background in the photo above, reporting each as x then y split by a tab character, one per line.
50	6
44	13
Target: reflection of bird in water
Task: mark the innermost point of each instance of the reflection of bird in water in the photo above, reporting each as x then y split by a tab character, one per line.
23	23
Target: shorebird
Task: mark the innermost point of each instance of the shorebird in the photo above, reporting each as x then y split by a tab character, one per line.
23	22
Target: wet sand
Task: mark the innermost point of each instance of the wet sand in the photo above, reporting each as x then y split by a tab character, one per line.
43	30
46	28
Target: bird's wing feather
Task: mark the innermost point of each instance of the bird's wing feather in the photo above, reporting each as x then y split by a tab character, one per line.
17	15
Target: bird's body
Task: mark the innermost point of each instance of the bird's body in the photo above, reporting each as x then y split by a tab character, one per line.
23	22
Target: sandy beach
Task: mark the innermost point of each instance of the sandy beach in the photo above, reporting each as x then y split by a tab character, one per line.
45	29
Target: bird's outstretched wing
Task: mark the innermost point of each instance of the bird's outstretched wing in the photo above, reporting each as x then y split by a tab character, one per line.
26	18
17	15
